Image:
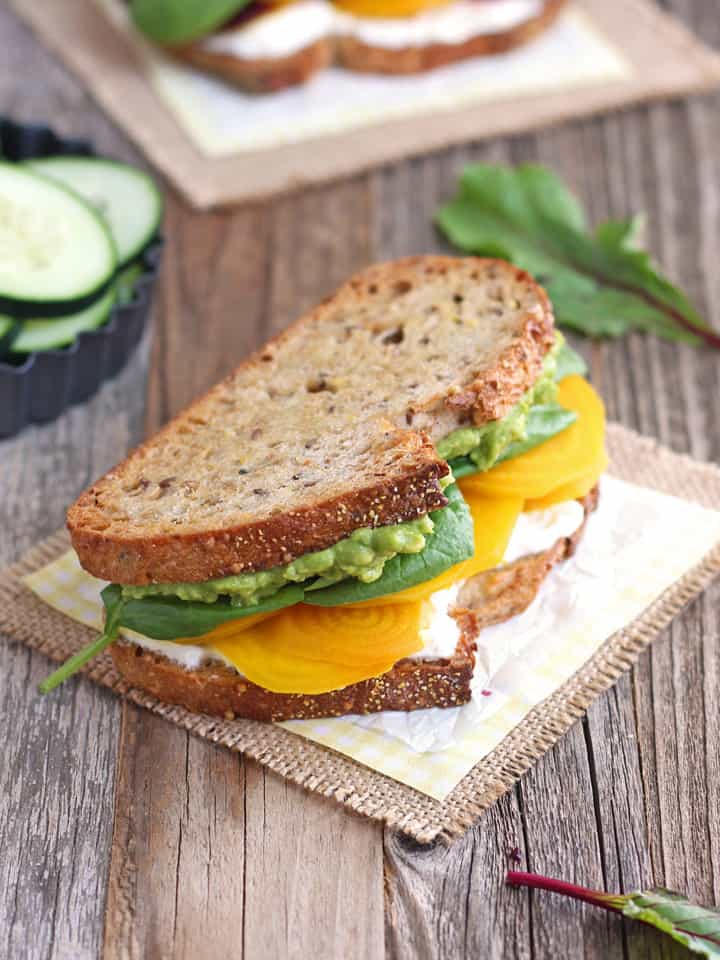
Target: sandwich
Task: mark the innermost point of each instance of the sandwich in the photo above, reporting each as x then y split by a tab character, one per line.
327	531
266	46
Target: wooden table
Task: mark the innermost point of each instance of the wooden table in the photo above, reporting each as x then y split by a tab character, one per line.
123	837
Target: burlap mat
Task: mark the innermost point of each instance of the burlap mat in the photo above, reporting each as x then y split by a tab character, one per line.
636	459
665	58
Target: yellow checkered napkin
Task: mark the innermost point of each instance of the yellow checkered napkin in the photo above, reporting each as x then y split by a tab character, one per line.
636	546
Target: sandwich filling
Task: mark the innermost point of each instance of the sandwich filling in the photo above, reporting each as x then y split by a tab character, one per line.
348	613
363	555
285	30
438	632
484	445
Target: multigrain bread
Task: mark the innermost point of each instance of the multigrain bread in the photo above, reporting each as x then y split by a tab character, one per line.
271	75
412	684
327	428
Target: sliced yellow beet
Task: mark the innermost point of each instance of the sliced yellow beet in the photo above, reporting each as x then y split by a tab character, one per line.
574	490
229	630
307	649
387	9
570	456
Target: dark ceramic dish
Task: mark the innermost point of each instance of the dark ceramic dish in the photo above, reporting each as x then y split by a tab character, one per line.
38	387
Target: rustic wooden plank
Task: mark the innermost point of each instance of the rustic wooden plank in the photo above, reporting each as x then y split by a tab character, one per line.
211	855
451	901
57	774
642	808
624	800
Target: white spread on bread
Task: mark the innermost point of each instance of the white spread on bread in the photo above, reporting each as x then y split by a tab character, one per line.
534	532
286	30
537	530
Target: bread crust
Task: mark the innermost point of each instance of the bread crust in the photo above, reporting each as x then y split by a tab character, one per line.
260	76
217	690
412	684
259	545
360	57
129	554
266	76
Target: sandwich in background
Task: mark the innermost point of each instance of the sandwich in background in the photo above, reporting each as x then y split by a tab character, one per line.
265	46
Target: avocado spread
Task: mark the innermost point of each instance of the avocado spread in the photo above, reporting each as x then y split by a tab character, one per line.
362	555
486	444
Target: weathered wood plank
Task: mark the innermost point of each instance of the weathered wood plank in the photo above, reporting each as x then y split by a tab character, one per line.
213	856
626	799
205	847
57	774
451	901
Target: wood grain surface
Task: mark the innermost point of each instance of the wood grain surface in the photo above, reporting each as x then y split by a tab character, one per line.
122	837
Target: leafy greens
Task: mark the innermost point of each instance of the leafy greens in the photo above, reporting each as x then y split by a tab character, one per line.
599	282
450	543
544	420
168	618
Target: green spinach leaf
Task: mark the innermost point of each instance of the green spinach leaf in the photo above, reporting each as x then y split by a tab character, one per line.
169	618
450	543
544	422
173	22
114	607
569	362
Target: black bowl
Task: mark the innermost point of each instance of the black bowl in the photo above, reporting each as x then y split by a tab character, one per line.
38	387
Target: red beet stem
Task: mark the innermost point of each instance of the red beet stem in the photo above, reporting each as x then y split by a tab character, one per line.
517	878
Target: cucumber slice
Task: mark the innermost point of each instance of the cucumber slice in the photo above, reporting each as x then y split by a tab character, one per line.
126	197
56	253
38	335
8	331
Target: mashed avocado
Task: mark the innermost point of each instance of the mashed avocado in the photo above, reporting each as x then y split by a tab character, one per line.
362	555
486	444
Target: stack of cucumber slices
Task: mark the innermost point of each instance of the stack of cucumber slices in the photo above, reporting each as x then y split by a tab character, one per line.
73	230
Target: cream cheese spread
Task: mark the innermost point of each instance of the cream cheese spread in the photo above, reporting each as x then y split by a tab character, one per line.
289	29
534	532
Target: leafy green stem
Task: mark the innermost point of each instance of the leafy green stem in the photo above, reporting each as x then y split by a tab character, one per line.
695	927
517	878
709	336
76	662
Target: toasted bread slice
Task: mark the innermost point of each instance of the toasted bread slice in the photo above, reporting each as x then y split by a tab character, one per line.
325	429
412	684
361	57
270	75
219	691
